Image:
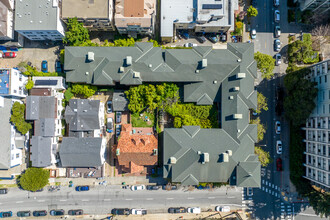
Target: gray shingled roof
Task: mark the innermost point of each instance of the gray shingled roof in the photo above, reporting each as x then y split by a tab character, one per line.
41	148
5	131
81	152
44	127
153	64
82	114
40	107
119	101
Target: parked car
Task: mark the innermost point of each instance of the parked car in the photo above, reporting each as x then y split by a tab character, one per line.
278	127
249	191
58	66
177	210
278	59
120	211
276	3
39	213
118	130
110	123
56	212
9	55
201	39
277	45
76	212
279	147
169	187
195	210
253	34
153	187
190	45
185	35
222	208
138	211
109	107
279	164
23	214
277	31
223	37
213	38
6	214
277	16
118	117
3	191
44	66
139	187
82	188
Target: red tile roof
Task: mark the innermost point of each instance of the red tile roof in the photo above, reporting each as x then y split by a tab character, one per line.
136	150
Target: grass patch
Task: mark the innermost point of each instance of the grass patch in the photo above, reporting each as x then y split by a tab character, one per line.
140	120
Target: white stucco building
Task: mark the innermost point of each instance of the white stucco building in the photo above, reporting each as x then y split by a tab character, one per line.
12	83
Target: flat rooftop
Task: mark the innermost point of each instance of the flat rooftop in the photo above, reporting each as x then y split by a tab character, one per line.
85	8
133	8
4	81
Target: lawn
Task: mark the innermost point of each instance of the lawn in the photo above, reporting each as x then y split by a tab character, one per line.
140	120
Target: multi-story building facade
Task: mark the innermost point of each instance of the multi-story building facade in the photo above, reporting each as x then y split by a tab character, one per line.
39	19
7	19
12	83
96	15
204	16
318	129
319	6
134	17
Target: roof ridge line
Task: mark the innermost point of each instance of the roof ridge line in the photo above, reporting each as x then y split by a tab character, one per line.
143	53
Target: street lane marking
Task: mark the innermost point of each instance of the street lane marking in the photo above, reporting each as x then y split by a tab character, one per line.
107	199
85	200
41	200
63	200
231	197
211	197
128	199
150	199
19	202
169	198
190	198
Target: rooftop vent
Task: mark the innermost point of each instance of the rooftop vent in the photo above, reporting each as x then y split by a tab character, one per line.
215	82
196	71
136	74
117	152
155	152
150	65
241	75
172	160
237	116
236	89
239	60
225	157
205	158
87	73
231	97
90	56
121	69
128	60
229	152
204	63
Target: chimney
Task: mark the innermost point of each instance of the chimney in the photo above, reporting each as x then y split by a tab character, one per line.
172	160
121	69
204	63
205	158
241	75
225	157
236	89
237	116
90	56
136	75
229	152
128	60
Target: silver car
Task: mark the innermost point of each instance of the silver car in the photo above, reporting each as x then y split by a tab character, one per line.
278	59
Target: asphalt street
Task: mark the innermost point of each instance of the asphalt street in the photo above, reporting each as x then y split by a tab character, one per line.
100	200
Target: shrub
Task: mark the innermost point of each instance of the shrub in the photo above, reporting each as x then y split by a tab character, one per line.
32	71
265	63
18	118
33	179
239	24
263	156
85	90
68	94
252	11
261	128
29	85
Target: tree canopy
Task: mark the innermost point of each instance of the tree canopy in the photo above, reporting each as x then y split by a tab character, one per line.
252	11
34	179
76	33
262	103
29	85
18	118
85	90
261	128
263	156
302	51
266	64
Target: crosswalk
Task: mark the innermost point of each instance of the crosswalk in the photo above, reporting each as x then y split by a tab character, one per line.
271	188
286	211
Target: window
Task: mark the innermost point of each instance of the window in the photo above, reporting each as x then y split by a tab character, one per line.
325	78
17	155
323	109
320	79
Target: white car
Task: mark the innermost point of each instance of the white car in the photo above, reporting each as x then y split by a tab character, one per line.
138	211
278	127
277	31
190	45
222	208
140	187
253	34
278	59
279	147
195	210
276	3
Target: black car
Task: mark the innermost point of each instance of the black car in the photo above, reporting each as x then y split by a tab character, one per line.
76	212
169	187
201	39
6	214
4	191
56	212
177	210
109	107
213	38
118	117
39	213
118	130
153	187
120	211
223	37
23	214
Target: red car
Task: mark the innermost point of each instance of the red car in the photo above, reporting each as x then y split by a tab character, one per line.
9	55
279	164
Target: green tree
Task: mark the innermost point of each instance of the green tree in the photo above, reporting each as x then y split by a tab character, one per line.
17	118
76	33
239	24
263	156
34	179
85	90
68	94
32	71
29	85
261	128
266	64
252	11
262	103
62	56
129	42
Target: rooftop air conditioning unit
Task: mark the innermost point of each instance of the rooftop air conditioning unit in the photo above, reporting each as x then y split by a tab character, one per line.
225	157
204	63
241	75
121	69
172	160
236	88
237	116
231	97
90	56
128	60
